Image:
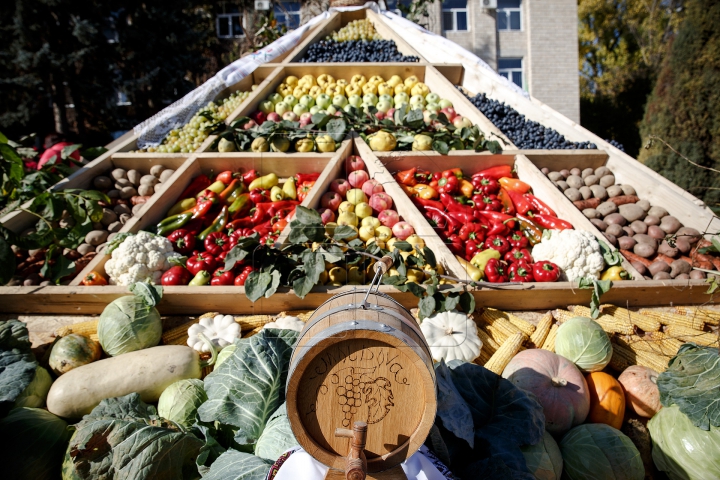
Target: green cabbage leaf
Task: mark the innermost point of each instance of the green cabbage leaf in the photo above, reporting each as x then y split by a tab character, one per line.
544	459
596	450
35	394
180	401
17	363
234	465
277	437
584	342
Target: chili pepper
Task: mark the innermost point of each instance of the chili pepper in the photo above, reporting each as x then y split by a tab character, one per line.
514	184
263	229
94	279
520	272
522	205
455	244
199	183
448	184
225	194
452	205
481	258
260	195
517	240
472	231
306	177
472	247
539	206
506	201
530	230
239	190
240	207
545	271
552	223
436	219
452	172
492	203
407	177
495	271
463	218
615	273
518	255
227	177
486	185
463	200
248	177
422	203
171	224
423	175
217	225
303	189
466	188
216	242
222	277
261	213
177	275
182	240
202	277
201	261
182	206
276	207
216	187
240	224
205	202
425	192
496	217
498	243
496	172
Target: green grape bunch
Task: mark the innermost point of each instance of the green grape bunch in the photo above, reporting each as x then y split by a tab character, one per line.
357	30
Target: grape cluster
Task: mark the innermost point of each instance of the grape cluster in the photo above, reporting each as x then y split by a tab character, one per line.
525	134
356	30
356	51
616	144
349	396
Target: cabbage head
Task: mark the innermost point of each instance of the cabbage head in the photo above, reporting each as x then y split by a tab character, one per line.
681	449
36	393
543	459
34	444
225	354
596	450
131	323
180	401
584	342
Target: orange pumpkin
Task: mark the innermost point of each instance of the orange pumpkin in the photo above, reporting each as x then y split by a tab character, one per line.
607	399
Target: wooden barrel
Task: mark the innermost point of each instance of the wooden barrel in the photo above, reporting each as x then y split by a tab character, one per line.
354	364
347	3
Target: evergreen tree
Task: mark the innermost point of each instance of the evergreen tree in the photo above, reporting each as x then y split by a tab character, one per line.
684	108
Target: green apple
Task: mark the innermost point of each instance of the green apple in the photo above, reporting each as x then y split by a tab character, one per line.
282	107
331	110
370	98
307	100
432	98
444	103
267	106
348	108
314	109
401	98
339	101
370	221
417	100
366	106
355	100
433	107
363	210
323	101
275	98
299	109
387	98
290	100
383	106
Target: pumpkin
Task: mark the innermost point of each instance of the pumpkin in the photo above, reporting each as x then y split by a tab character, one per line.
584	342
556	382
73	351
607	400
543	459
641	391
451	336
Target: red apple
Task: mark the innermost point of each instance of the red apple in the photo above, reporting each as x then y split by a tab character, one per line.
331	200
353	163
390	114
380	202
371	187
357	178
389	217
450	113
402	230
274	117
259	117
249	125
340	186
461	122
327	215
426	116
292	116
380	115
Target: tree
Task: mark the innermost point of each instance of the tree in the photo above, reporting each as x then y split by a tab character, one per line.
622	45
683	109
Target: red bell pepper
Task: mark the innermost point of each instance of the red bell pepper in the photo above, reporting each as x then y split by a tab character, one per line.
268	240
260	195
514	184
194	226
452	205
183	241
199	183
492	203
518	255
177	275
496	172
507	204
522	205
260	214
448	185
248	177
263	229
279	224
455	244
486	185
472	231
495	271
422	203
518	240
472	247
227	177
407	177
539	206
201	261
303	189
498	243
545	271
452	172
521	272
222	277
216	242
436	219
552	223
205	202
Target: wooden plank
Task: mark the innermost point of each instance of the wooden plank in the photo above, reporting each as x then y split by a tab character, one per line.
556	160
453	73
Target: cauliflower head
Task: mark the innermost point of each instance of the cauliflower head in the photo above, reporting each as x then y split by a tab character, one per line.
140	258
576	252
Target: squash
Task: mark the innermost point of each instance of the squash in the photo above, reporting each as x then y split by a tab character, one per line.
641	391
72	351
147	372
286	323
451	336
556	383
607	400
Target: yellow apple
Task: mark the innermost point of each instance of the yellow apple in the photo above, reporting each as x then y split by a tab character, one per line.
324	80
348	218
370	88
401	88
391	244
346	207
355	276
359	80
315	91
353	89
386	89
356	196
363	210
366	233
338	276
411	81
395	80
330	228
415	275
376	79
415	241
373	221
323	277
375	240
383	233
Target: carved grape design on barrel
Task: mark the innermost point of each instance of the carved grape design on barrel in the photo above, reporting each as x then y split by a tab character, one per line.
356	388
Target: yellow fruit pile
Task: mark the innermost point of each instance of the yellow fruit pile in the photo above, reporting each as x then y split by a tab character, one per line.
358	85
357	30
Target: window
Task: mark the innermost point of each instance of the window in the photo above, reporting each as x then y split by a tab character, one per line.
229	25
512	69
288	14
508	15
122	99
455	16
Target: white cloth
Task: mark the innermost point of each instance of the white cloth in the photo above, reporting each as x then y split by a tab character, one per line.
301	466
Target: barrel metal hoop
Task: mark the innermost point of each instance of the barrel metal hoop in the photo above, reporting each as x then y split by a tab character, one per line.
380	294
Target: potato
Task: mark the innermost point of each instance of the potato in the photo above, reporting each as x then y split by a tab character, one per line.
644	204
565	172
165	176
602	171
124	218
661	276
146	190
607	181
120	209
114	193
602	226
156	170
573	194
96	237
655	232
658	266
134	176
606	208
683	245
641	238
640	267
591	180
697	275
71	254
114	227
85	248
615	230
108	217
639	227
658	212
631	212
122	183
545	170
574	181
628	231
98	226
585	192
575	171
611	239
615	218
682	276
679	267
614	191
628	190
102	182
644	250
148	180
586	172
670	224
118	173
555	176
666	249
652	220
689	234
599	191
591	213
128	192
562	185
626	243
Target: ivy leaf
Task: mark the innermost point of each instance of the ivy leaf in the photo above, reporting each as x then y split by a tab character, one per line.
493	147
62	268
415	289
235	255
336	129
314	265
414	118
429	257
274	283
256	285
69	150
402	245
467	302
302	286
307	216
440	147
332	253
342	232
426	307
451	301
599	287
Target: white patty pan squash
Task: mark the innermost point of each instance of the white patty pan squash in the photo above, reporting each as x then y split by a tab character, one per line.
286	323
451	336
221	330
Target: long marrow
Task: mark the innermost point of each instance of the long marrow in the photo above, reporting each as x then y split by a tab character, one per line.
147	372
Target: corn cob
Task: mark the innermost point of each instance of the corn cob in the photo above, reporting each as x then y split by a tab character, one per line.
491	315
88	329
666	341
497	334
711	317
696	336
562	316
489	346
667	318
543	327
608	323
251	322
499	322
178	335
252	332
303	315
549	343
645	344
641	321
624	357
505	353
